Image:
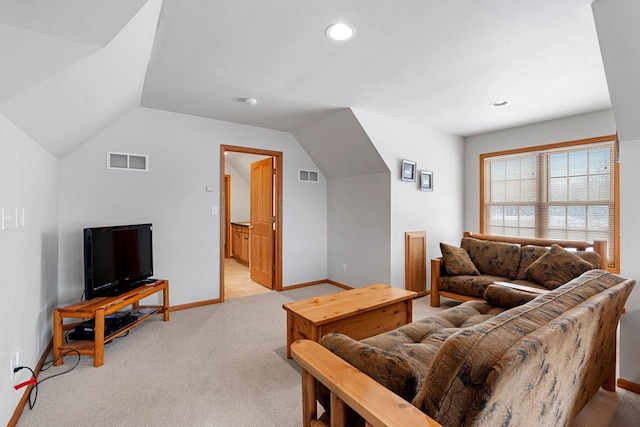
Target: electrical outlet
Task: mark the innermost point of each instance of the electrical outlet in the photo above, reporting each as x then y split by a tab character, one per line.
16	361
344	266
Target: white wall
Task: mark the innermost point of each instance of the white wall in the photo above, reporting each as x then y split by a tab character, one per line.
28	256
184	158
629	254
359	229
439	213
583	126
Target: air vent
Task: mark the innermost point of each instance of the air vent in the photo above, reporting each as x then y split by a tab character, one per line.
308	176
124	161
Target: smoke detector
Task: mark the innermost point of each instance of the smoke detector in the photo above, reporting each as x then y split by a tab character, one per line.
251	102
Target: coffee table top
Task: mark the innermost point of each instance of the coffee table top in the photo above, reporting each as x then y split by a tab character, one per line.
331	307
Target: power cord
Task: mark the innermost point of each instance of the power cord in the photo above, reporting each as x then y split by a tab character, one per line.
34	378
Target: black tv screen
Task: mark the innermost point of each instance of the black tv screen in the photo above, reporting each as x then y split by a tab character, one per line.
116	259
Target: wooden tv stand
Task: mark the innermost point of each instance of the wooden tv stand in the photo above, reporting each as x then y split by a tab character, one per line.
97	309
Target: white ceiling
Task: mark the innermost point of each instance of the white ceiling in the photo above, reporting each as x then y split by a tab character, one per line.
437	63
70	68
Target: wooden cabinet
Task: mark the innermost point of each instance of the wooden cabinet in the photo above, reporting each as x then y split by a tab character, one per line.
241	242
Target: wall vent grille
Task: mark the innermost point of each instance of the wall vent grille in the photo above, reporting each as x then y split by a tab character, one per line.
126	161
308	176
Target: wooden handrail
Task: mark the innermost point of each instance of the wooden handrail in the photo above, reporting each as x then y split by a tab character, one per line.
349	386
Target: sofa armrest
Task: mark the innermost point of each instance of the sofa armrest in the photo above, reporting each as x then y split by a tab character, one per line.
349	386
436	271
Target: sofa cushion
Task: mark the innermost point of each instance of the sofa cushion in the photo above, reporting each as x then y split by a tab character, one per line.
557	267
503	296
457	261
472	286
494	258
386	367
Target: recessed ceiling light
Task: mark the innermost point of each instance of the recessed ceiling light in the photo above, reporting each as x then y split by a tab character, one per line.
498	104
340	32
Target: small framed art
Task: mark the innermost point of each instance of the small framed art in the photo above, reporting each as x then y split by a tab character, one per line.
408	171
426	180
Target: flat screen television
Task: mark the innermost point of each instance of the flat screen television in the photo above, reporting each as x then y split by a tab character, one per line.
117	259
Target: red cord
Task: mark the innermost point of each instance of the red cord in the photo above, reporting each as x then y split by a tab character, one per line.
26	383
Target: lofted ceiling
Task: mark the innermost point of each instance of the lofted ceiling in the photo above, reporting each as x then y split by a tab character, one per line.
438	63
70	68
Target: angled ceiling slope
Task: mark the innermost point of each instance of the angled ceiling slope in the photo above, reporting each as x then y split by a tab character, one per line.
68	107
439	64
340	147
618	33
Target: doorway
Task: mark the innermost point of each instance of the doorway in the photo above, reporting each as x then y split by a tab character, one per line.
251	241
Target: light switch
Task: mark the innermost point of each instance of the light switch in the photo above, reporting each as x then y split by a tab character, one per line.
214	210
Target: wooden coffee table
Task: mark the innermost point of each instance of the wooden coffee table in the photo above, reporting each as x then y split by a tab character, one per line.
358	313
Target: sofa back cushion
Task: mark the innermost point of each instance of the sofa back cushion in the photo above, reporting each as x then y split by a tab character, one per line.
493	258
463	362
529	254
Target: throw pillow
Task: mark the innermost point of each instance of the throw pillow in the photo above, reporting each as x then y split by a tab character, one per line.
557	267
457	261
505	297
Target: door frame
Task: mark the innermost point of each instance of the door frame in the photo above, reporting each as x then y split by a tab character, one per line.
277	197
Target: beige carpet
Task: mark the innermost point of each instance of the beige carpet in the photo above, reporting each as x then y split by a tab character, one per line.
220	365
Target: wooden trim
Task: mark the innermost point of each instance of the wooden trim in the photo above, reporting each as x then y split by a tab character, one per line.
340	285
277	255
25	397
459	297
195	304
304	285
227	222
553	146
629	385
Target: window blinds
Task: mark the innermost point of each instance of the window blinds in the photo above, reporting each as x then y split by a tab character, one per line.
563	193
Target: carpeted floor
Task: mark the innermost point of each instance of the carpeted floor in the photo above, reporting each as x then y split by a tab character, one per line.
219	365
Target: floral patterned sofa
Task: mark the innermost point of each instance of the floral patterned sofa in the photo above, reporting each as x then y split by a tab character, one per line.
464	272
477	364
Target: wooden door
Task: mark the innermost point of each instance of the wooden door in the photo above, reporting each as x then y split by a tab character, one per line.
261	231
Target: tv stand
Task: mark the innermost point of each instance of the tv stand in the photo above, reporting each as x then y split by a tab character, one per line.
97	309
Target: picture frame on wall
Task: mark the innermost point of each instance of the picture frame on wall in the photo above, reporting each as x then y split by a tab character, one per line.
426	180
408	171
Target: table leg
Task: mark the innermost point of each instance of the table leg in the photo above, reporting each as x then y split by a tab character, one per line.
98	338
165	302
57	337
289	334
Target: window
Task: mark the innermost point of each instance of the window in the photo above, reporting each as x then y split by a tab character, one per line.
564	191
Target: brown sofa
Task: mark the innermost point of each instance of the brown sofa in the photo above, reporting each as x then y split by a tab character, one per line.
464	273
476	364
